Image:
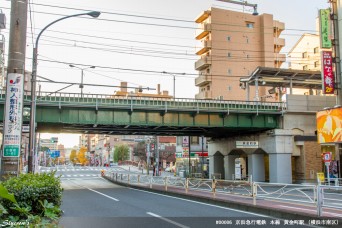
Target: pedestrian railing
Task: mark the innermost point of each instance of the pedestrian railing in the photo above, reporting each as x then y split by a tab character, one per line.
234	187
331	181
321	196
286	192
328	197
200	184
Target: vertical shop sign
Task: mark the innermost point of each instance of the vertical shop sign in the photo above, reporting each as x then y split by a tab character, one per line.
324	19
13	115
328	74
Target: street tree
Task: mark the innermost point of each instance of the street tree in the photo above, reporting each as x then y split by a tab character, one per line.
121	153
81	156
73	157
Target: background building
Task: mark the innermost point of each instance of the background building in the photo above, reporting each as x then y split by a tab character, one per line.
233	45
306	55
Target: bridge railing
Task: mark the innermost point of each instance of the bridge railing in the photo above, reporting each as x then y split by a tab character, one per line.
138	102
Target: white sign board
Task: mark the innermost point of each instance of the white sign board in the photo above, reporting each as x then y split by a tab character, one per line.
13	115
185	141
237	170
247	144
26	128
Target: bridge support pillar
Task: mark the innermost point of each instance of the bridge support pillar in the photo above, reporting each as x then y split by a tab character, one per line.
229	168
280	168
278	144
256	167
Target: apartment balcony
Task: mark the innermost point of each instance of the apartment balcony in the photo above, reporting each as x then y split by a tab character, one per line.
203	31
279	42
202	80
203	95
279	57
278	27
205	15
205	48
202	63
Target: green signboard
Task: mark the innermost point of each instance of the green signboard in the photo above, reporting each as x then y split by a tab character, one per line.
11	151
324	20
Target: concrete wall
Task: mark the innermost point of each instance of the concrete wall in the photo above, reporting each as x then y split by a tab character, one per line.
308	103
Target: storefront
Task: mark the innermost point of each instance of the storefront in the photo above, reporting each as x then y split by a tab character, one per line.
329	135
198	164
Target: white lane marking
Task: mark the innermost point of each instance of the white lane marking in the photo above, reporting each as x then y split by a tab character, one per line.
167	220
87	175
68	175
81	175
101	194
192	201
303	209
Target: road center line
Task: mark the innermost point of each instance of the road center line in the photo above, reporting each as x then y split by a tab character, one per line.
102	194
167	220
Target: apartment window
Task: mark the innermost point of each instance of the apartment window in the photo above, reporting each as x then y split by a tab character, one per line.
247	56
305	67
229	55
247	40
304	55
229	71
316	50
249	24
228	38
208	88
208	70
316	64
229	88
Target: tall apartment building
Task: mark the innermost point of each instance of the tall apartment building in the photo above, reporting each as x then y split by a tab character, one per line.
306	55
233	45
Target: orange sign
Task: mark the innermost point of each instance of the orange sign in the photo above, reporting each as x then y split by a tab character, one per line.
329	125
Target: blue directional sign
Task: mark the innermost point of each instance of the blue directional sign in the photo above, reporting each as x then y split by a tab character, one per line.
55	153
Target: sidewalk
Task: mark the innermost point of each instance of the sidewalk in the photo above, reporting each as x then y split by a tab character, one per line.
273	208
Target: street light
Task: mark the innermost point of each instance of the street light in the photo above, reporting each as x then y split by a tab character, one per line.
82	69
174	82
32	135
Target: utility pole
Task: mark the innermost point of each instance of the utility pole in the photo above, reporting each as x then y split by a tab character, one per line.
336	44
148	156
157	155
16	66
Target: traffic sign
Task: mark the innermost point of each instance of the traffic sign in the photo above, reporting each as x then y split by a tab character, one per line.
327	157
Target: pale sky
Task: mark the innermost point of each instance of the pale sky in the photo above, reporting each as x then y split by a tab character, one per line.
135	40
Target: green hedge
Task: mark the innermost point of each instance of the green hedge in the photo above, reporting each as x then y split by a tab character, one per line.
29	189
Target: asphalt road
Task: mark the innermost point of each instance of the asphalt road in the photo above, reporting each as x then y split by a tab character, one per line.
91	201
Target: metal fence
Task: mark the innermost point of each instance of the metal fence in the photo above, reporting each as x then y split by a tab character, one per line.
321	196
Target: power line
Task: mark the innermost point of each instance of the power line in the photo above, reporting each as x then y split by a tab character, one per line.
157	18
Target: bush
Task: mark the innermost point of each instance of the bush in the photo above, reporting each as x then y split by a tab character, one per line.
30	190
